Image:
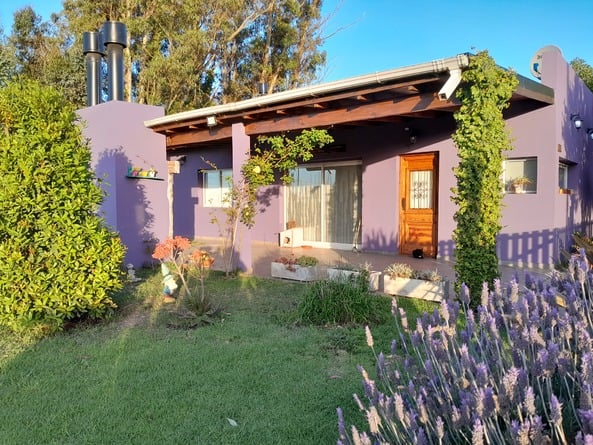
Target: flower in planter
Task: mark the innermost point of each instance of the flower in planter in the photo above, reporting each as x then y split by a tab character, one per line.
428	275
404	270
303	261
399	270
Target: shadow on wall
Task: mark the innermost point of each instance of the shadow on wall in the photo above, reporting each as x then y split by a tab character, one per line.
540	249
380	242
125	207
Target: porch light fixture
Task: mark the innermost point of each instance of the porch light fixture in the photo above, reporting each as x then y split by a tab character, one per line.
211	121
590	133
576	120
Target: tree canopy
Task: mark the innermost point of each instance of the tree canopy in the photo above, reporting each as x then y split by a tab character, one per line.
181	55
584	71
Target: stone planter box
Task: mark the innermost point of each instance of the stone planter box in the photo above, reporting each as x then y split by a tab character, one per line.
413	288
295	272
344	274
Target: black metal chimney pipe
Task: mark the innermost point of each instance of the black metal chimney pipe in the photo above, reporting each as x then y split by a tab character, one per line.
115	39
92	48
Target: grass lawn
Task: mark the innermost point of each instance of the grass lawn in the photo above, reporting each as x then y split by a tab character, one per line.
252	377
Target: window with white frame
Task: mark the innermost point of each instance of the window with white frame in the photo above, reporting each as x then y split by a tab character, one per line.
216	185
563	176
520	175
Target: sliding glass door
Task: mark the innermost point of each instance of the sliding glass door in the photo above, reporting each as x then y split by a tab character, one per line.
325	200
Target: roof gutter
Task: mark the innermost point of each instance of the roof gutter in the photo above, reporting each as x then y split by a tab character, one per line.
451	64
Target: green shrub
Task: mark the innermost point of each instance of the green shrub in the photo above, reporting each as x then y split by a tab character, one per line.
342	302
59	262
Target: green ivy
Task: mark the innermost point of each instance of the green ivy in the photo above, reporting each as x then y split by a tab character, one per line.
481	139
59	261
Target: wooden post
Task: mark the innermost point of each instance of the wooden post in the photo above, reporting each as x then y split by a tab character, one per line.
173	169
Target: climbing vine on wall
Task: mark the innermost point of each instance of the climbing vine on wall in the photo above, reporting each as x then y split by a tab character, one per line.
481	139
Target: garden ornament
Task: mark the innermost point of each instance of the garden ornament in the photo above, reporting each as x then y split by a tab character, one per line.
168	281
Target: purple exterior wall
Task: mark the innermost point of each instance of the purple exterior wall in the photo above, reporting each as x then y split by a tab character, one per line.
536	227
136	208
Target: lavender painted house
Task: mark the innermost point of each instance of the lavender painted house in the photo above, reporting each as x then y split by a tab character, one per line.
384	185
136	207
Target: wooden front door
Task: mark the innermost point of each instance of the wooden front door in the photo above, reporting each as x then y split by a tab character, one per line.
418	204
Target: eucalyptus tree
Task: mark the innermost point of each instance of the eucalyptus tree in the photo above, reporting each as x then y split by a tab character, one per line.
44	51
200	52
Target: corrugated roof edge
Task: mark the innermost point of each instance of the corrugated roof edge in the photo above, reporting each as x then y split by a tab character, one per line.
436	66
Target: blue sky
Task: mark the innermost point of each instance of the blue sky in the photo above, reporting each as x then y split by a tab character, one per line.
375	35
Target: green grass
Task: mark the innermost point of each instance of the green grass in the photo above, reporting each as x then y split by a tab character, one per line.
251	377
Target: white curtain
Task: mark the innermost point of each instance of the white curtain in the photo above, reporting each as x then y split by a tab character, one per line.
326	201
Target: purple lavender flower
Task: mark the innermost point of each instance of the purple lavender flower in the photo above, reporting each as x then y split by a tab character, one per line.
445	311
555	410
509	385
587	367
580	440
529	402
522	437
421	437
380	365
464	295
488	401
481	374
484	300
586	417
478	433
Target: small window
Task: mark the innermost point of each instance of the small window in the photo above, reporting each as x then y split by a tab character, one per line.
520	175
216	186
563	176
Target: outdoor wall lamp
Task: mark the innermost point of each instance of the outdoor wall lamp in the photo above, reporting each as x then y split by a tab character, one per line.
211	121
576	120
590	133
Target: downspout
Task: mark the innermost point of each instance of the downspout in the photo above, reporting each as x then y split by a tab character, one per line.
450	85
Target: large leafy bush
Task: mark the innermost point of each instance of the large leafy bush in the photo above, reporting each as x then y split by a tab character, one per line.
57	260
518	371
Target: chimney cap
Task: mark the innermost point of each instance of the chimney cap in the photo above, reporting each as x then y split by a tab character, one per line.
115	32
92	43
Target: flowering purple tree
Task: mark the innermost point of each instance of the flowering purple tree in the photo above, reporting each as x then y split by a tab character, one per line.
519	370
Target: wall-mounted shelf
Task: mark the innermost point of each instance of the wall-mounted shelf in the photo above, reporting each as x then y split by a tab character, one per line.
145	177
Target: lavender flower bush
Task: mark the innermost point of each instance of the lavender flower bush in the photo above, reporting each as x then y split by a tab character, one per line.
518	370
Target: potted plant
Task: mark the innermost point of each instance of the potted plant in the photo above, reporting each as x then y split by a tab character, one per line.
519	183
345	271
303	268
401	279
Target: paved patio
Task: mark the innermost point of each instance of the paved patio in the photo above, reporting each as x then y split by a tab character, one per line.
263	253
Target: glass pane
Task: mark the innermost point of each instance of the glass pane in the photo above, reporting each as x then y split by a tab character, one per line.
421	189
563	176
211	188
326	202
303	201
520	175
342	204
